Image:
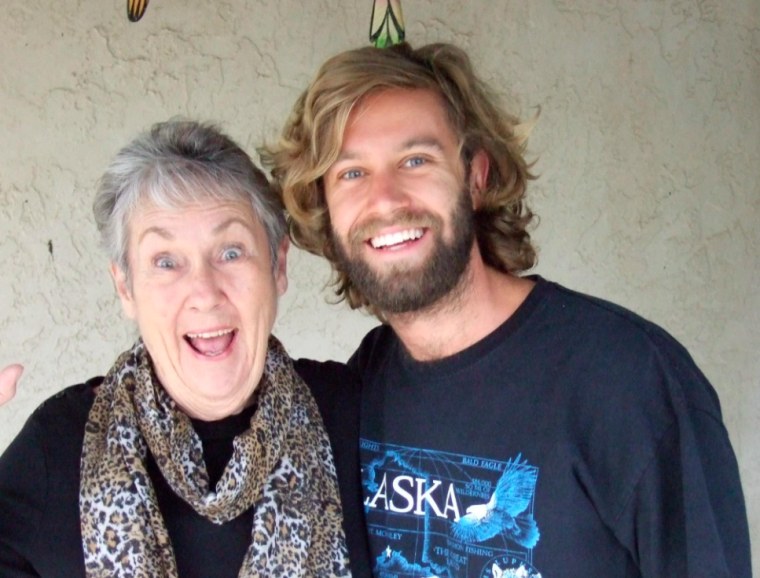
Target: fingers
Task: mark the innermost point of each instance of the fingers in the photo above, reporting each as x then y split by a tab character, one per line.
8	380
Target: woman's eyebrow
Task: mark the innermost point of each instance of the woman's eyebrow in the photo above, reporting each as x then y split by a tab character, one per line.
160	231
231	221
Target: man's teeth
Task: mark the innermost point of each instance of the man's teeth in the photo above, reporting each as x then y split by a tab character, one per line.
395	238
209	334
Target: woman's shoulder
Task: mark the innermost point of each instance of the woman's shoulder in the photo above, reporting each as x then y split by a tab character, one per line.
336	389
327	378
39	486
68	407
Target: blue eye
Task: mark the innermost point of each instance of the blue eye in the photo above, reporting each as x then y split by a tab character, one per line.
165	263
415	162
351	174
231	254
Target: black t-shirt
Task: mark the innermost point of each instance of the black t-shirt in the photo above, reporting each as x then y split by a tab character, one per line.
39	485
575	440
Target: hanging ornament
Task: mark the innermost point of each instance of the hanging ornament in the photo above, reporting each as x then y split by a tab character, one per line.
387	25
136	9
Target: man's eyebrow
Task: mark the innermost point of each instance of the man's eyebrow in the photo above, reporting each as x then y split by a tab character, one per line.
346	156
425	142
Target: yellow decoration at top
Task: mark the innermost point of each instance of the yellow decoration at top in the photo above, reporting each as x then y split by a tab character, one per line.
136	9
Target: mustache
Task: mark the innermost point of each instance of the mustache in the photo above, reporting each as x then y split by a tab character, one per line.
399	218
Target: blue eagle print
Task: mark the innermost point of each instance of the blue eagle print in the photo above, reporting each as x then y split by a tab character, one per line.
506	512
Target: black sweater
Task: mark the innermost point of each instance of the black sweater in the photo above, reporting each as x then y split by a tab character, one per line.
39	485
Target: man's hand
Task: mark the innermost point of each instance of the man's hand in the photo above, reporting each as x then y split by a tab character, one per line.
8	380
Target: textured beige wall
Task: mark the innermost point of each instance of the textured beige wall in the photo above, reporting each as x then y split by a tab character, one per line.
648	146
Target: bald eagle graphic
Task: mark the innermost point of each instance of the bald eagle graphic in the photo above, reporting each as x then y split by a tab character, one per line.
506	513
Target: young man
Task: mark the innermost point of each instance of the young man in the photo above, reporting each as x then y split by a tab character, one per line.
509	426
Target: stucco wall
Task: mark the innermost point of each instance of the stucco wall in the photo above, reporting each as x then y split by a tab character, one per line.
648	148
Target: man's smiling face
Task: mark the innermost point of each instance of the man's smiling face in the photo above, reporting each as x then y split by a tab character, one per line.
400	207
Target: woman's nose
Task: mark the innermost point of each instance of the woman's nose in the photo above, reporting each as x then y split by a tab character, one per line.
206	291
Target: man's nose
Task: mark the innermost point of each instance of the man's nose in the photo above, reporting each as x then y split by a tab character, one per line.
387	192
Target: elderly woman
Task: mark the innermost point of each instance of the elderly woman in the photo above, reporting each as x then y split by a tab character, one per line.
202	452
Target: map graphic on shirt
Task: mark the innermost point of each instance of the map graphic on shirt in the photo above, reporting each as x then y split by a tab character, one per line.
433	513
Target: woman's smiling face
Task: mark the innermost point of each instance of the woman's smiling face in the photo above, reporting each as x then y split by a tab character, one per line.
203	292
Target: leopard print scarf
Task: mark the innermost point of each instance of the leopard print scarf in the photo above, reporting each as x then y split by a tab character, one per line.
282	466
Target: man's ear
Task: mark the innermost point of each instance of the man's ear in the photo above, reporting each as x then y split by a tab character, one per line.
478	177
121	284
281	270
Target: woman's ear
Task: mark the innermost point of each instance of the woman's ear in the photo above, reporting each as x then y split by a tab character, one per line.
281	269
121	284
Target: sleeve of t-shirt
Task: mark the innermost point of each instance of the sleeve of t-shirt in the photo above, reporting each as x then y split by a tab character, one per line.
686	515
22	501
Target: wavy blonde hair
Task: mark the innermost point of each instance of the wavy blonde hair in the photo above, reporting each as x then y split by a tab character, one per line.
312	138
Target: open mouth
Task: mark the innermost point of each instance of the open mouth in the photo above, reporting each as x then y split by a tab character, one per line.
211	343
396	240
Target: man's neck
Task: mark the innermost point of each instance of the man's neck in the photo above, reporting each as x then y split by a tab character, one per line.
484	299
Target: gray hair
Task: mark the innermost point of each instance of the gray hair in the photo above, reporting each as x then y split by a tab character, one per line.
174	164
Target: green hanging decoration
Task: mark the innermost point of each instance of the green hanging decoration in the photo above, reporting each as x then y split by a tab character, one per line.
387	25
136	9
